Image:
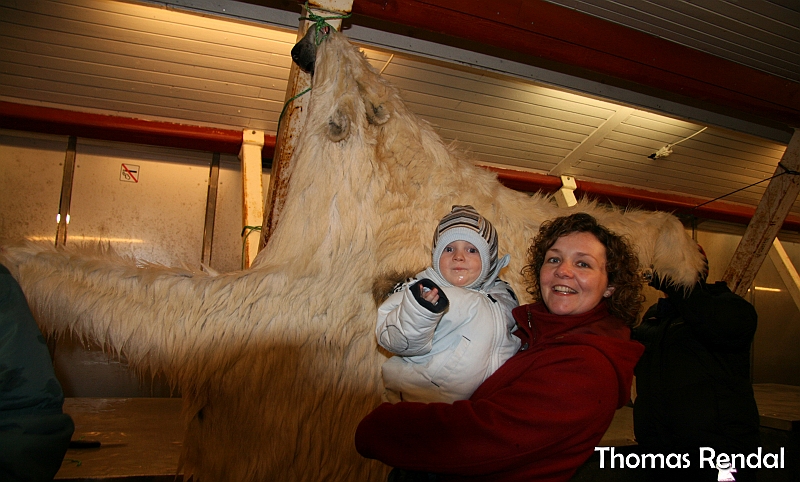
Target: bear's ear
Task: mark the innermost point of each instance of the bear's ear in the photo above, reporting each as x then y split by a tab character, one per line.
338	125
375	96
377	115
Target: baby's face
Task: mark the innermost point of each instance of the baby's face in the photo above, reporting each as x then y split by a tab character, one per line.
460	263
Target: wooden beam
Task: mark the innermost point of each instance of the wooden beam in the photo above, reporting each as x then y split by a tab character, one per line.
252	192
293	119
786	270
211	209
767	220
66	192
590	142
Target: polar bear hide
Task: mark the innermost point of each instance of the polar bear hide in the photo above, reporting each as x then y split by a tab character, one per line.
277	364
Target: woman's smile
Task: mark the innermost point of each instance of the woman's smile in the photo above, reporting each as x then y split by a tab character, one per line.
573	278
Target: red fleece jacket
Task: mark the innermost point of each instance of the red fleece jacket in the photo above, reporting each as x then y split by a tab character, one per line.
538	417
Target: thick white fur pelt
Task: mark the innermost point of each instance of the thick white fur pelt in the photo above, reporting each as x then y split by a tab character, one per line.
277	364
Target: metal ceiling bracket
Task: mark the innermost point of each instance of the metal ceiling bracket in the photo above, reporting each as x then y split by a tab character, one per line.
565	197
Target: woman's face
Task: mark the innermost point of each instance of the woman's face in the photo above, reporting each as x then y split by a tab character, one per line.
573	278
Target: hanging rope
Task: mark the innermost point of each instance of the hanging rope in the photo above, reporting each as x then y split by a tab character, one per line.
386	64
285	105
320	23
785	171
686	139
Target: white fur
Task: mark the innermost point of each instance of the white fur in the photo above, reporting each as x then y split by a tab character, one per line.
277	364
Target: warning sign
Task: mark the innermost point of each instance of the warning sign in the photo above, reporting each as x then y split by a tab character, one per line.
129	173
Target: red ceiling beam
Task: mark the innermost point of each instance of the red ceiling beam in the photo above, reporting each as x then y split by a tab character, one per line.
537	29
678	204
124	129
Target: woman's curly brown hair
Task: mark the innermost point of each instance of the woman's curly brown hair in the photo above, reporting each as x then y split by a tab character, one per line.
622	264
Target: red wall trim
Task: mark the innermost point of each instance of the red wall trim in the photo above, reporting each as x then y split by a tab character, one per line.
640	198
542	30
123	129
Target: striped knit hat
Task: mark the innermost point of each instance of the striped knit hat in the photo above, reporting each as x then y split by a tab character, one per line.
465	224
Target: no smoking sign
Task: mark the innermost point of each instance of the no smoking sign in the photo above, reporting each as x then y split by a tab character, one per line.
129	173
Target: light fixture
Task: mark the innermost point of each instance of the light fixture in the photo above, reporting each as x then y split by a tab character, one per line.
667	150
661	153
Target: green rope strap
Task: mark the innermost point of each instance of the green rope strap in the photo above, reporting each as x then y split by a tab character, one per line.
250	230
320	23
280	117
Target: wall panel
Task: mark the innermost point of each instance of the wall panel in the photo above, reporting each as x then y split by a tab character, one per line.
31	169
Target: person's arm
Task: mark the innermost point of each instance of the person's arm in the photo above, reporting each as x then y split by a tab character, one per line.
570	397
407	321
34	431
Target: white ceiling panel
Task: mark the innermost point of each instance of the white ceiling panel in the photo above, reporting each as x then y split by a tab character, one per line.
144	61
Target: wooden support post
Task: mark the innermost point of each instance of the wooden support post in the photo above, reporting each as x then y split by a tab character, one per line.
252	191
67	180
211	209
786	270
66	191
766	222
293	119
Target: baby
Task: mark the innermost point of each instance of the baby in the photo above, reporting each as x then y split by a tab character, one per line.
450	325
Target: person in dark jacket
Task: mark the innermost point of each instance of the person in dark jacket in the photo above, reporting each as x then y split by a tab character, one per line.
540	415
693	385
34	431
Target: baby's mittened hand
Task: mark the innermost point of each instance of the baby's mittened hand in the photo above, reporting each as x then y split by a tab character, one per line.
429	295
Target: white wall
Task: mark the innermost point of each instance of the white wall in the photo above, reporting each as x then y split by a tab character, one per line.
158	219
31	168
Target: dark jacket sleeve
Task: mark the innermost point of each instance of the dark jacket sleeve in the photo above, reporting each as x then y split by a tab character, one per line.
34	431
718	317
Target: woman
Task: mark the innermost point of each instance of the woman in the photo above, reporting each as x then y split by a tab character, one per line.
541	414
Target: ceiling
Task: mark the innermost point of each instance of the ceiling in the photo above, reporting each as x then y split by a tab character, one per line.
761	34
590	89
